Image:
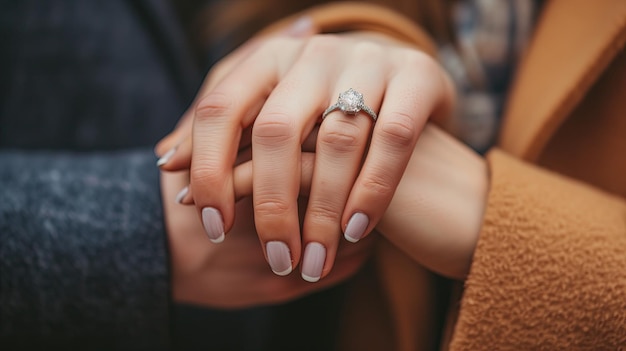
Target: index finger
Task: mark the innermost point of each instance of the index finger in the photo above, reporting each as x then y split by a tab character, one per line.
217	126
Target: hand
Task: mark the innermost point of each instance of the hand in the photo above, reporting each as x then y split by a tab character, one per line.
234	274
349	190
436	214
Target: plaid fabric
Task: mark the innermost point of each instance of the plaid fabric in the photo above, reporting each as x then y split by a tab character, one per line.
491	35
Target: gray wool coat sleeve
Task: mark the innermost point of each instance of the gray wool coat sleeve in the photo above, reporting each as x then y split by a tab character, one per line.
83	259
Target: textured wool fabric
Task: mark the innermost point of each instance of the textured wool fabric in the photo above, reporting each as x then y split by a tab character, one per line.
85	75
75	273
533	283
549	271
351	16
83	258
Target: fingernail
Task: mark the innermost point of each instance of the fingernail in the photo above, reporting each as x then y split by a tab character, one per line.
279	257
181	194
213	224
313	262
163	160
300	27
356	227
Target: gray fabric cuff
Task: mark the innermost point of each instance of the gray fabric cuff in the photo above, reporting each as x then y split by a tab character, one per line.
83	256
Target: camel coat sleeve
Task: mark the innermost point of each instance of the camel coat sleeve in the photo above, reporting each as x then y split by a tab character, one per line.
549	270
550	265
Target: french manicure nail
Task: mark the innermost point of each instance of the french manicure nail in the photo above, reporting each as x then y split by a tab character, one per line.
356	227
181	194
213	224
163	160
313	262
279	257
300	27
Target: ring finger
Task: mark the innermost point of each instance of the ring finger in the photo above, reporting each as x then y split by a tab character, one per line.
340	149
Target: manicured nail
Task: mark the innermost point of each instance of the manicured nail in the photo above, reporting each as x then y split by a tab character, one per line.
213	224
356	227
313	262
279	257
300	27
163	160
181	194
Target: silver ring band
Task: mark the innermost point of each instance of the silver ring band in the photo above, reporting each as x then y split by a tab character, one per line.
350	102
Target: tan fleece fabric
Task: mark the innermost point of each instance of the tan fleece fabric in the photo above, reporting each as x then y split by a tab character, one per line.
534	284
573	43
354	16
594	134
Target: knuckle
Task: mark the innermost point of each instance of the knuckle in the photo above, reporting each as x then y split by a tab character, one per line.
214	104
276	44
324	212
422	65
274	128
416	58
342	137
206	174
271	207
365	51
400	130
379	183
321	44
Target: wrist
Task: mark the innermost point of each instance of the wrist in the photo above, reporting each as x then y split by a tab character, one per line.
436	214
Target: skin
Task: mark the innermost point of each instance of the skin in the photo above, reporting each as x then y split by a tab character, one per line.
434	219
234	274
358	165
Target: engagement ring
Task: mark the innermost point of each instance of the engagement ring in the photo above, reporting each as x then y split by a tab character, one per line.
350	102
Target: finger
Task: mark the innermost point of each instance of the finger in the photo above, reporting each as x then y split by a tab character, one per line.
308	145
185	195
178	157
242	179
170	141
220	117
183	128
242	175
341	144
286	119
412	95
300	28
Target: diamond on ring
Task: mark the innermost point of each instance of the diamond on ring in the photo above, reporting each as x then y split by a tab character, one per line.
350	102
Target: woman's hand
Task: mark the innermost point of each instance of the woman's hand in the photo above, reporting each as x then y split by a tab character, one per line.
234	274
277	94
437	212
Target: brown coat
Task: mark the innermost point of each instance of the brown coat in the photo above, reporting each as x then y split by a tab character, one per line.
549	271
